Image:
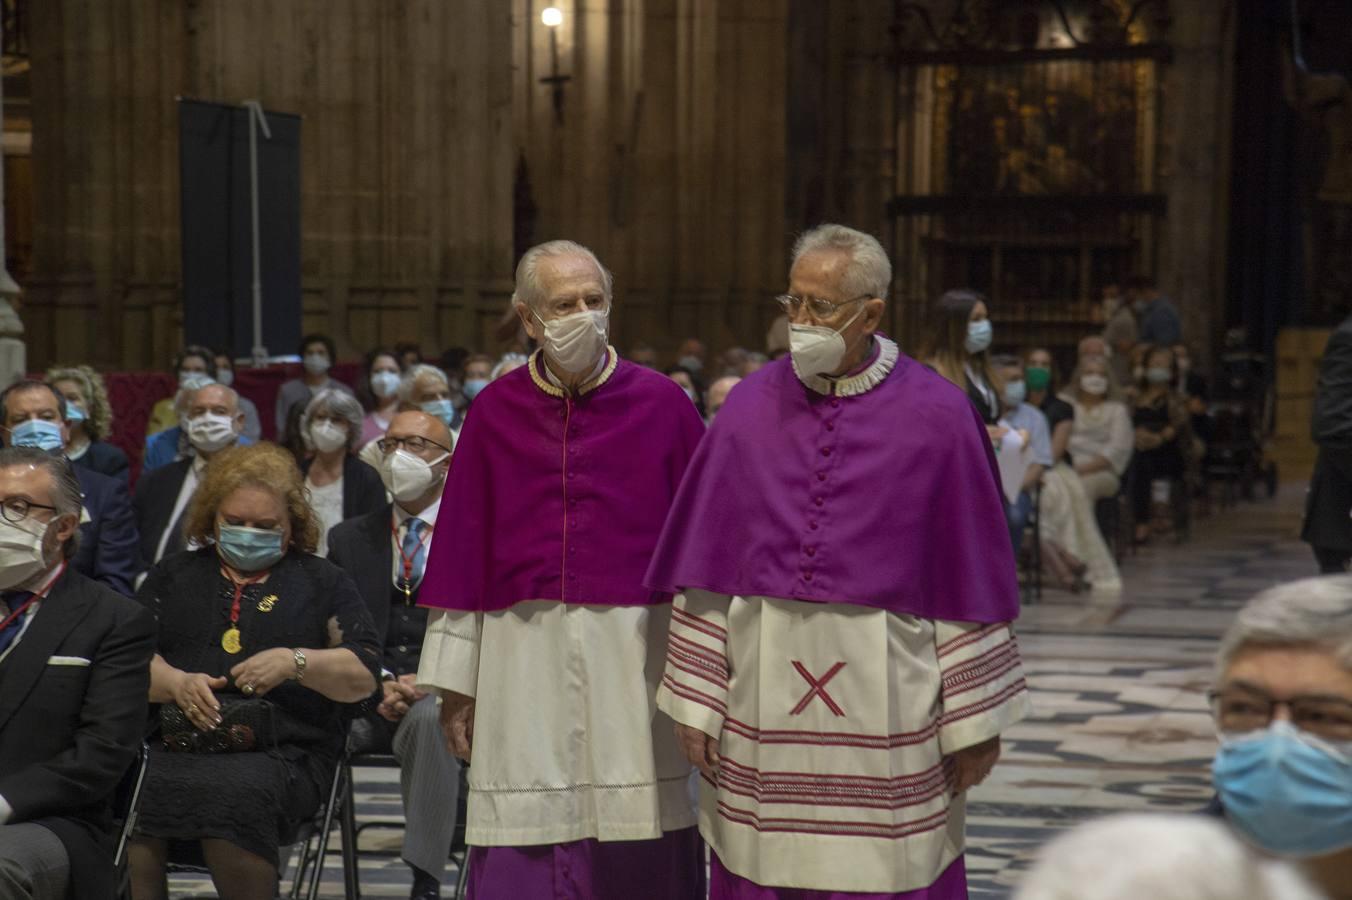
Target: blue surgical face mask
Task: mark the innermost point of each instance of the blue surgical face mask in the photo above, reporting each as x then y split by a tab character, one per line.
39	433
473	386
979	335
442	409
74	414
1287	791
249	549
1159	375
1015	393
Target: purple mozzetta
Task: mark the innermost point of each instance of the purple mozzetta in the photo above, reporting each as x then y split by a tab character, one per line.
560	498
888	499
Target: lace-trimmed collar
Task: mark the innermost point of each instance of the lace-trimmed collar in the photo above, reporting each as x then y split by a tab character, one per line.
859	383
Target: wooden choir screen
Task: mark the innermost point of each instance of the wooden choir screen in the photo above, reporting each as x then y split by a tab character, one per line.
1027	135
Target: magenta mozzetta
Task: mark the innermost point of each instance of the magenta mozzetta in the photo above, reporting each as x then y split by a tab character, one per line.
557	497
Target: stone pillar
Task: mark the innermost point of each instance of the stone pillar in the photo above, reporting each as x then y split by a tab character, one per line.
1194	168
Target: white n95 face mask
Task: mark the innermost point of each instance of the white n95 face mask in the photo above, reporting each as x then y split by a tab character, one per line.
327	437
210	432
21	554
407	476
577	340
817	349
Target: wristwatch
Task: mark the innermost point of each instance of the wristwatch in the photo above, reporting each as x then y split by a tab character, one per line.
300	663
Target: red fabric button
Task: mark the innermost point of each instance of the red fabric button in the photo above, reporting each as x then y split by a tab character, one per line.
818	500
826	451
830	427
812	525
807	574
810	551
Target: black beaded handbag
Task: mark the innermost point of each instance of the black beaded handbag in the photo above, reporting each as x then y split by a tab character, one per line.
247	724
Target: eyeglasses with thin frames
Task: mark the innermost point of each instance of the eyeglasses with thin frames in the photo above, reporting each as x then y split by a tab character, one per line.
1238	711
413	443
16	509
816	306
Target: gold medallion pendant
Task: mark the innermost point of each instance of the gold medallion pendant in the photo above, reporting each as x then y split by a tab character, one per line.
230	640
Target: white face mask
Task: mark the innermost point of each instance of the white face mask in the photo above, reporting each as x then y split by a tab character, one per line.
316	363
407	476
384	384
1097	385
225	377
576	341
210	432
327	436
21	553
817	349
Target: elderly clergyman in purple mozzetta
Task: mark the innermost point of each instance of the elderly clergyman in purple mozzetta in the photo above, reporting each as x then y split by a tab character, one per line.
841	662
544	643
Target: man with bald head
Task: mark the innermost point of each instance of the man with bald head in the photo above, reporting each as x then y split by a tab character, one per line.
213	422
543	642
385	552
840	660
717	393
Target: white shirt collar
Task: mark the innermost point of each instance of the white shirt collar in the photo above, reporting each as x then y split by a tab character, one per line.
428	515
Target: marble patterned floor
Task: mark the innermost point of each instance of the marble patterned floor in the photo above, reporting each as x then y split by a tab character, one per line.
1119	717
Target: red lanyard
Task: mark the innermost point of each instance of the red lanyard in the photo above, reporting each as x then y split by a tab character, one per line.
23	607
406	560
239	591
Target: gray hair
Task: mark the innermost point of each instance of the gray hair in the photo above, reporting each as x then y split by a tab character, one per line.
1161	856
339	403
870	272
410	379
529	291
66	494
191	385
1316	612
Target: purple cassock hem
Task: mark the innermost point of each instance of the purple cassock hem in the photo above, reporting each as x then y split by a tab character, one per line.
668	868
724	885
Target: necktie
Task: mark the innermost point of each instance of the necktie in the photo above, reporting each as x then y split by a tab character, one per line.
415	551
11	601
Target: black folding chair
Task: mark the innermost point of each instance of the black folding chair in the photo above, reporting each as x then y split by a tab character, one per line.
126	803
351	831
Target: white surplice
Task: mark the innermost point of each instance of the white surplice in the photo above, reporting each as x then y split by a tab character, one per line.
568	741
834	722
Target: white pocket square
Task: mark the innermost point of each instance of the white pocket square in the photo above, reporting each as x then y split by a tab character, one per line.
67	661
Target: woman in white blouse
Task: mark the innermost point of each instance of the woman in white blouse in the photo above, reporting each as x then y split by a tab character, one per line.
1101	439
340	485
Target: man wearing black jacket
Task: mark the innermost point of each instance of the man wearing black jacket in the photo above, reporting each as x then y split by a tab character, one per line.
385	552
1328	510
74	682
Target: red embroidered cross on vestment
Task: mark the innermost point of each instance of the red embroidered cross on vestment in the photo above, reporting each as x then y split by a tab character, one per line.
817	689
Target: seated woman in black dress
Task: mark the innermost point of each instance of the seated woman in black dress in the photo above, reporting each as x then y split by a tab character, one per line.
250	616
1163	430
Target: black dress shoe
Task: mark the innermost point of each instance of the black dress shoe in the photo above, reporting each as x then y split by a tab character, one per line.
425	887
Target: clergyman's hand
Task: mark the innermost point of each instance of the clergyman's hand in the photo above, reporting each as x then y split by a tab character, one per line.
457	723
699	748
972	764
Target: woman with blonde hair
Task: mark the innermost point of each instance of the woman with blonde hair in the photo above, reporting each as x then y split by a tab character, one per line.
90	419
260	645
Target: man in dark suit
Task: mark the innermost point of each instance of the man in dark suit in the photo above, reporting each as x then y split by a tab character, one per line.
34	415
385	552
1328	527
74	682
162	496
